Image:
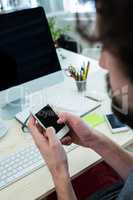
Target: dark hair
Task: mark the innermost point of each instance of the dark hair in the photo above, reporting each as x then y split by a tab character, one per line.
115	31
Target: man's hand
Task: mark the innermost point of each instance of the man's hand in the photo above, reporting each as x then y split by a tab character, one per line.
50	148
55	157
79	133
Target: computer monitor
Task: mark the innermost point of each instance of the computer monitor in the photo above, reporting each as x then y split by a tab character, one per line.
28	57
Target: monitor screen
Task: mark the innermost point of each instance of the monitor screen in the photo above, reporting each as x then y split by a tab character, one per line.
27	51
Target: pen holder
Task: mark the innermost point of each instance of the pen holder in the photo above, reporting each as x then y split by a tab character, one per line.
81	85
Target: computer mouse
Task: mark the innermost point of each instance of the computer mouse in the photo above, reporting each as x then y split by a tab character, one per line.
3	129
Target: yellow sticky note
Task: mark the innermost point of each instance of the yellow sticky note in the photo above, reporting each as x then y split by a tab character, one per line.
94	119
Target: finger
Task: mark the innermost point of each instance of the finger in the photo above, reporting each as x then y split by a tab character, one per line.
60	121
66	117
62	118
31	122
66	140
37	136
51	135
41	130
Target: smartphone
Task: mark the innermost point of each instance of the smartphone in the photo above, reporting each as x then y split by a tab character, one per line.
114	124
47	117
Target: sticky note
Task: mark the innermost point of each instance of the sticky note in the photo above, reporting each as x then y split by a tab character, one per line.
93	119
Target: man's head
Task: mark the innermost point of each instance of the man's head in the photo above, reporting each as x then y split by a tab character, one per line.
114	30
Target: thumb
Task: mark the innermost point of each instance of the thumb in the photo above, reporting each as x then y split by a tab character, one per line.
51	135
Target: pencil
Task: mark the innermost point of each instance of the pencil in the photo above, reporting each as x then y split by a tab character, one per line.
87	70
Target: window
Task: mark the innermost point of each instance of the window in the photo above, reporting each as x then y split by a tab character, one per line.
52	5
78	6
67	5
17	4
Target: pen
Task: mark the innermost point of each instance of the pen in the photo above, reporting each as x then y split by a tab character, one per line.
93	99
79	75
83	69
93	109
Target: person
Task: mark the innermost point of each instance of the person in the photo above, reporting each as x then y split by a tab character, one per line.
114	30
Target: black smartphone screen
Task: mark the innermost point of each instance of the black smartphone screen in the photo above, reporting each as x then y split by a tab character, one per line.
114	122
49	118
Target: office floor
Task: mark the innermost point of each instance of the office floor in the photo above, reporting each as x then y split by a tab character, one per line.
92	180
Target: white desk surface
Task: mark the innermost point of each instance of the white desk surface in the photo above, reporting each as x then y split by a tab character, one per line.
40	182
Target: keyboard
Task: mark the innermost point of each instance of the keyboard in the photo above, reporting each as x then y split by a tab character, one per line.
22	163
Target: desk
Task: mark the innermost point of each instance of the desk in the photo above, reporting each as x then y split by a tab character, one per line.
40	182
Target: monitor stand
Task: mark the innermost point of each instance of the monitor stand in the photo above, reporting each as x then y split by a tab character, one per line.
10	110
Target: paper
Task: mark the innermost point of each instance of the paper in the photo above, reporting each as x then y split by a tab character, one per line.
72	102
93	119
